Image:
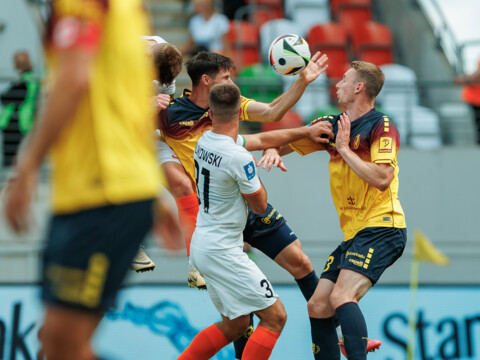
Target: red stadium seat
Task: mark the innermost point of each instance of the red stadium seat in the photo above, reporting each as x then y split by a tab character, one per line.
262	15
330	38
375	43
244	38
290	120
352	14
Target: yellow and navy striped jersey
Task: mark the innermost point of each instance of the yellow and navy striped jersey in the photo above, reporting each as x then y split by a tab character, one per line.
183	123
374	138
105	154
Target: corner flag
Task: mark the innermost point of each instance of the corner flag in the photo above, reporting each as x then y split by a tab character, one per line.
424	250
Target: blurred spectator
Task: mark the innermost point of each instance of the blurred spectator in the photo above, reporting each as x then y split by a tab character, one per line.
19	101
471	94
208	30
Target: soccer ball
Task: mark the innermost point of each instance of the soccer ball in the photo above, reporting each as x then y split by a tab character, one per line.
289	54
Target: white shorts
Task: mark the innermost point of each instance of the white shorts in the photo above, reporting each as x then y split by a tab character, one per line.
234	282
165	153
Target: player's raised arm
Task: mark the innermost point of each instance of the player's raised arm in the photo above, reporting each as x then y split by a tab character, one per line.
274	111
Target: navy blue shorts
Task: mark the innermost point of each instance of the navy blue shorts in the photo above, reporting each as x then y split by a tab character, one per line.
272	243
370	252
88	253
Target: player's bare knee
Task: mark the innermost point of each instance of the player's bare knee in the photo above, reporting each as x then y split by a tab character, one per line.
303	265
319	307
338	298
235	328
279	318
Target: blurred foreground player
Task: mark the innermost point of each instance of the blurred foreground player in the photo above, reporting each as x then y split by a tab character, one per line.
105	177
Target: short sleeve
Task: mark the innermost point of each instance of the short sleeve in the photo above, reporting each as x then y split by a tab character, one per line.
306	146
385	142
244	105
245	173
240	140
76	24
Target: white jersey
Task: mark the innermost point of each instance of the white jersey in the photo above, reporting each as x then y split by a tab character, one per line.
224	171
161	88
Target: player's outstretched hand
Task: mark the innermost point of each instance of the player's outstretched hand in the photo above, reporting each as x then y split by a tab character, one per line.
316	66
162	101
17	199
321	132
271	158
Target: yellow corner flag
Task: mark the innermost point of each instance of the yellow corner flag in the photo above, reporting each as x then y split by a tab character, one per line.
424	250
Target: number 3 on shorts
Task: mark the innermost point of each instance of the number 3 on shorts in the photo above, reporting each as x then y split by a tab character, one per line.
329	262
266	284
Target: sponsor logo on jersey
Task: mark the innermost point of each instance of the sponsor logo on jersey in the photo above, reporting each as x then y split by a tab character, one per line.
385	145
249	170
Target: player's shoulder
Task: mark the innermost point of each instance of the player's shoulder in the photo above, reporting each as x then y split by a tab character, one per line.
330	118
184	108
376	117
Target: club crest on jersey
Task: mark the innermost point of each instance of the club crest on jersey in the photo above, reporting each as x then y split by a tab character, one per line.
356	142
249	170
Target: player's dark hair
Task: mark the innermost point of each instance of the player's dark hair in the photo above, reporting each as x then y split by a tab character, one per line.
224	101
168	62
371	75
207	63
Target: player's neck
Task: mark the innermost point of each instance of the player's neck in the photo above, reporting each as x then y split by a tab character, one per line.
357	110
199	97
227	129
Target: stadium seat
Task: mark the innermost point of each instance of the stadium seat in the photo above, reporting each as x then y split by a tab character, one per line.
260	82
316	95
290	120
308	12
458	123
245	43
400	88
425	129
374	43
261	15
331	39
274	28
351	13
418	126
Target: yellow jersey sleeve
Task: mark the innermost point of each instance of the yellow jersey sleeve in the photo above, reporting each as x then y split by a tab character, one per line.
244	105
385	143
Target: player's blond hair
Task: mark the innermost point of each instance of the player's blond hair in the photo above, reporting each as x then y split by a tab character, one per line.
371	75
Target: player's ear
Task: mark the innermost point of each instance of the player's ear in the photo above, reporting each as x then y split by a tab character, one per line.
205	79
210	114
360	86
